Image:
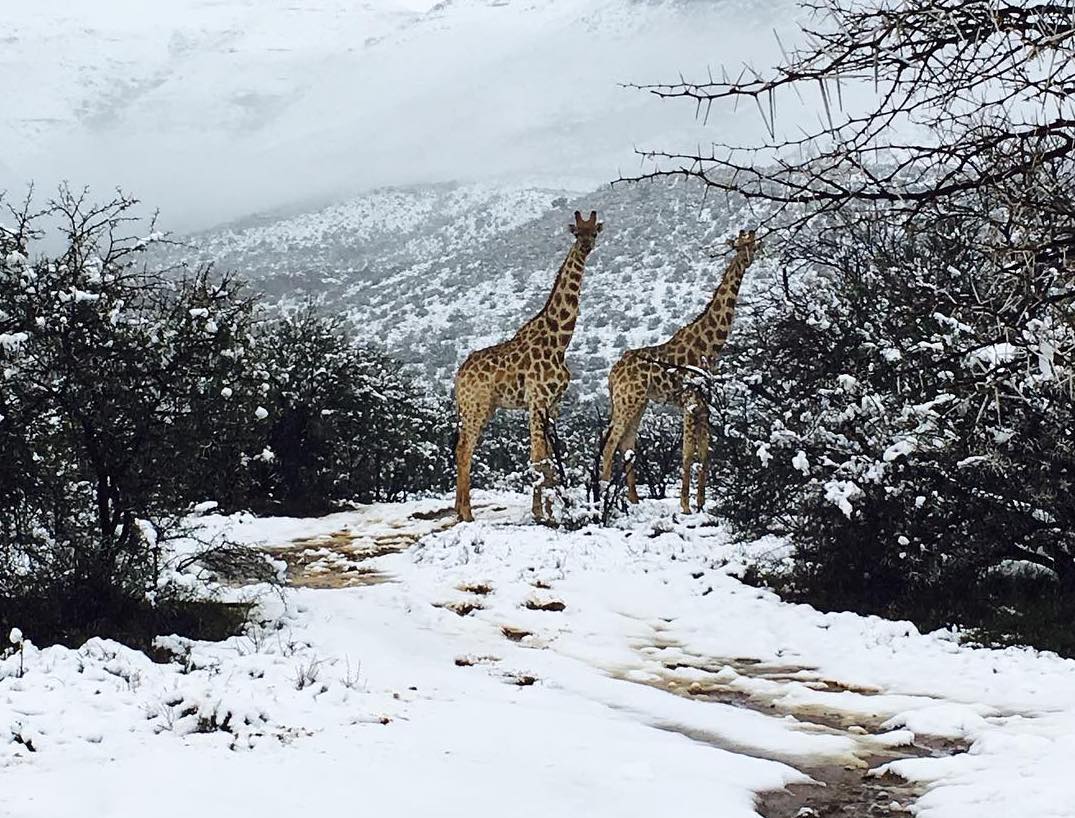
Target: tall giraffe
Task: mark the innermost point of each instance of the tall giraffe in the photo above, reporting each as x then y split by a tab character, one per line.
662	373
525	372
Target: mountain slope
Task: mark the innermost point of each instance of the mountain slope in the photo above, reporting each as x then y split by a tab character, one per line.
434	272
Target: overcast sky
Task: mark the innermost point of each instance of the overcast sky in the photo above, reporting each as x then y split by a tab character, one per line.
213	110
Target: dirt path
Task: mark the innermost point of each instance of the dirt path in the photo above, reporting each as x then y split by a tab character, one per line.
841	788
838	789
341	559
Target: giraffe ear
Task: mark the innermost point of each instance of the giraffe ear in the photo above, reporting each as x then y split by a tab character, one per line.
572	229
600	227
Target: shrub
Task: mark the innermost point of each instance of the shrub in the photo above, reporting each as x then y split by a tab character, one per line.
344	421
106	366
903	414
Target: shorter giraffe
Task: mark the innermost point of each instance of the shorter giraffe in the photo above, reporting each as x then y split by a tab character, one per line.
525	372
663	373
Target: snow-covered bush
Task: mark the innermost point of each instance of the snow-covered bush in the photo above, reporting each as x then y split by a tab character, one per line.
107	368
132	395
342	420
659	451
905	411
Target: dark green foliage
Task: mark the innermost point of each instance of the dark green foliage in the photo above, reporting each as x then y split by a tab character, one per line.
104	365
898	414
344	420
659	452
129	394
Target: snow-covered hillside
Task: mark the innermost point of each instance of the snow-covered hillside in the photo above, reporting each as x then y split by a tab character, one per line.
434	272
502	668
216	109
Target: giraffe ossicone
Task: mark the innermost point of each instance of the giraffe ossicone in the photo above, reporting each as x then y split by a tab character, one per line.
524	372
667	373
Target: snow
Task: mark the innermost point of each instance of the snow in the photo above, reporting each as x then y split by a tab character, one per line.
800	462
900	448
994	355
13	340
840	493
847	383
416	710
763	453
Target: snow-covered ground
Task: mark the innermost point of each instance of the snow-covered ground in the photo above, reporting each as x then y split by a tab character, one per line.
503	668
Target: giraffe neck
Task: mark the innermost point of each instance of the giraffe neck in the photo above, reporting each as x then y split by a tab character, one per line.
562	308
706	335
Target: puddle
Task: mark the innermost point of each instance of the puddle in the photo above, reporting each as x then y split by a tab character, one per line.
840	787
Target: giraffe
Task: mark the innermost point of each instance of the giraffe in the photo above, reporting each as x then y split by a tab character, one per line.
525	372
661	373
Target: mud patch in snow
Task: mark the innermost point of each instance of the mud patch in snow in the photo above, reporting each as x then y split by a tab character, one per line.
854	786
338	560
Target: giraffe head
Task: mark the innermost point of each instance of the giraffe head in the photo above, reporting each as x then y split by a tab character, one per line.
585	230
745	245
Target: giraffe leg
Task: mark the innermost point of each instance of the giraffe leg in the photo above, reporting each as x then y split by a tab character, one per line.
701	450
471	423
688	457
626	409
627	444
611	442
539	458
552	479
